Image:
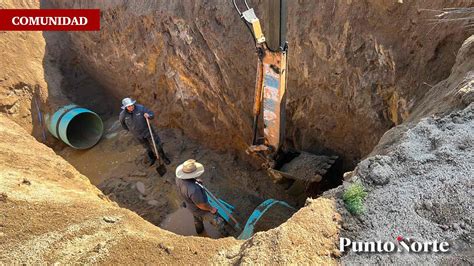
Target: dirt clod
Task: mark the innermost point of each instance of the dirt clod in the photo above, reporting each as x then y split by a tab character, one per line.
110	219
3	197
99	247
153	202
139	173
168	249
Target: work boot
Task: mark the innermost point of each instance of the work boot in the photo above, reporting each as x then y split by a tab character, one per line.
166	160
199	225
151	157
220	224
163	156
217	221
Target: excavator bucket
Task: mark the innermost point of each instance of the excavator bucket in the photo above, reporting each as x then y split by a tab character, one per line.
304	169
308	167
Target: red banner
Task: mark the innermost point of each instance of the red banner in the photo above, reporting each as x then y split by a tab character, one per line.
49	19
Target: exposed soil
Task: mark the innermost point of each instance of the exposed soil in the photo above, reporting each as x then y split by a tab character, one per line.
117	165
58	216
23	86
358	68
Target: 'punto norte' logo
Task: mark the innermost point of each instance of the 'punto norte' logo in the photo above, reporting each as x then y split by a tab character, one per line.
400	245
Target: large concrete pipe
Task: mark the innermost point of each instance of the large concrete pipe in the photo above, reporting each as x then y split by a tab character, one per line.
78	127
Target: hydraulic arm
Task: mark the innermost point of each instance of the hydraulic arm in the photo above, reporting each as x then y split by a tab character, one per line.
269	111
270	87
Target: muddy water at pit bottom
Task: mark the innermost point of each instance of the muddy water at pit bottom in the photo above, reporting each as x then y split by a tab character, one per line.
181	222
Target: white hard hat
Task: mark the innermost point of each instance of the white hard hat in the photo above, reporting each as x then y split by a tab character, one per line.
127	102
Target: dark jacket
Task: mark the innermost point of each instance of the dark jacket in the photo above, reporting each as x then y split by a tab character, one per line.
135	122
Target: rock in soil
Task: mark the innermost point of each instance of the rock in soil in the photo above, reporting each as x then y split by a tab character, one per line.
110	219
140	187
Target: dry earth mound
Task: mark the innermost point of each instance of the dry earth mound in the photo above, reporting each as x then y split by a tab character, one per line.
420	177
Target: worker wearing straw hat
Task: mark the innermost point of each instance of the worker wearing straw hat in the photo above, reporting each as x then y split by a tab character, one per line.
194	196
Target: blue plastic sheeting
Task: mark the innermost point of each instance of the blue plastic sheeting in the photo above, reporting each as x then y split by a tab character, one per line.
257	214
225	210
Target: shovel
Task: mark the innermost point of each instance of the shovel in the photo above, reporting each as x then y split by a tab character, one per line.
161	168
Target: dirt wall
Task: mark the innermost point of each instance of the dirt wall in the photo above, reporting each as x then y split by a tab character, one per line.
30	80
356	67
21	72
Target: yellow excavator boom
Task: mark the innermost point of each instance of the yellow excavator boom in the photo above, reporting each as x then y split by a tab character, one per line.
270	103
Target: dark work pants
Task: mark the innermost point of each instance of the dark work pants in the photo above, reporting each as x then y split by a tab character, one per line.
199	223
147	143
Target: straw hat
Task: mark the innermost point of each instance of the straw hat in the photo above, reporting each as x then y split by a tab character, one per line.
189	169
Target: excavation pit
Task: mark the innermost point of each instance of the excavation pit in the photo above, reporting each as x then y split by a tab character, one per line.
116	166
355	70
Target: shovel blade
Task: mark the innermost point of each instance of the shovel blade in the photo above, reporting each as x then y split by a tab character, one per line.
161	169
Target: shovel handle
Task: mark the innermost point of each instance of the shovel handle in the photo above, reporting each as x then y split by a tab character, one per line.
152	139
